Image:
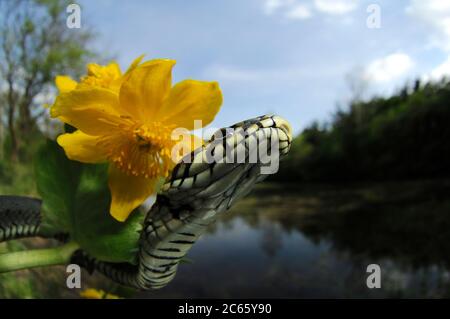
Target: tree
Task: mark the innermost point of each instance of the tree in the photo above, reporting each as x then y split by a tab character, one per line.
35	46
404	136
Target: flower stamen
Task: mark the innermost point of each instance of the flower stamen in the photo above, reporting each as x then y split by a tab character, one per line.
145	150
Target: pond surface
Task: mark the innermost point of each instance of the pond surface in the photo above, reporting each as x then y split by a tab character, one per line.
300	241
317	241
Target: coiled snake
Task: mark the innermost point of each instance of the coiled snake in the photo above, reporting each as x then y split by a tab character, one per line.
194	196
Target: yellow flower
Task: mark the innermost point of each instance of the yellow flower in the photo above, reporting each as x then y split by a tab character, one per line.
92	293
127	120
108	77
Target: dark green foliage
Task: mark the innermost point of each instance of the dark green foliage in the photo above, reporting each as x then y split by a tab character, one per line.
76	200
405	136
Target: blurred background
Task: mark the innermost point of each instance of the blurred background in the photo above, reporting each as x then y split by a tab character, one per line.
365	88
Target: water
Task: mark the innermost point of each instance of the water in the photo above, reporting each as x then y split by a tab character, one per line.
300	241
317	243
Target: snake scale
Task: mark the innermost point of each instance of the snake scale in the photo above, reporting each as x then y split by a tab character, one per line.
194	196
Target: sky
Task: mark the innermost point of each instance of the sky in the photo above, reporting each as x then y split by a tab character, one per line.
289	57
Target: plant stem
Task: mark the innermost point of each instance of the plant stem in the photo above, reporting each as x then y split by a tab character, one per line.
37	257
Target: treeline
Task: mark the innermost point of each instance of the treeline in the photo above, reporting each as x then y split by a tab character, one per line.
35	46
405	136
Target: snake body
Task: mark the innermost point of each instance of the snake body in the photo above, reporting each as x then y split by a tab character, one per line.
19	217
197	193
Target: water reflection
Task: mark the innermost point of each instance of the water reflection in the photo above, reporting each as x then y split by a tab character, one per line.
306	241
317	242
271	238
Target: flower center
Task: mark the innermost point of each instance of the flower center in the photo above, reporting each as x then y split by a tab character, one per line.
143	150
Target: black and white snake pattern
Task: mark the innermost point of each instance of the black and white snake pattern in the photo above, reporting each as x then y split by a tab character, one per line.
195	195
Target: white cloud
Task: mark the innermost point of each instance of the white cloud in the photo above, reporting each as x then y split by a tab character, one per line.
299	11
442	70
294	9
336	7
271	6
435	14
389	68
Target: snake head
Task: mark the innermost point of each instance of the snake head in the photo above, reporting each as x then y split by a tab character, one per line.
227	167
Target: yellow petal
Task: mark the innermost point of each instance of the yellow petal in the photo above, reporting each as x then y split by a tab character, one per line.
127	192
191	100
92	293
144	88
111	70
94	111
93	69
135	63
81	147
65	83
108	77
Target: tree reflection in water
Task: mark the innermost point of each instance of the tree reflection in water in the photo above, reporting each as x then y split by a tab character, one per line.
405	227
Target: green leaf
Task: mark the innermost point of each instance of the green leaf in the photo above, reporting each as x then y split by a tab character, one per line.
57	179
95	229
76	200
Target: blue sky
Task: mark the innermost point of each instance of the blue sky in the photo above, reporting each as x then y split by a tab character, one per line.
288	57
